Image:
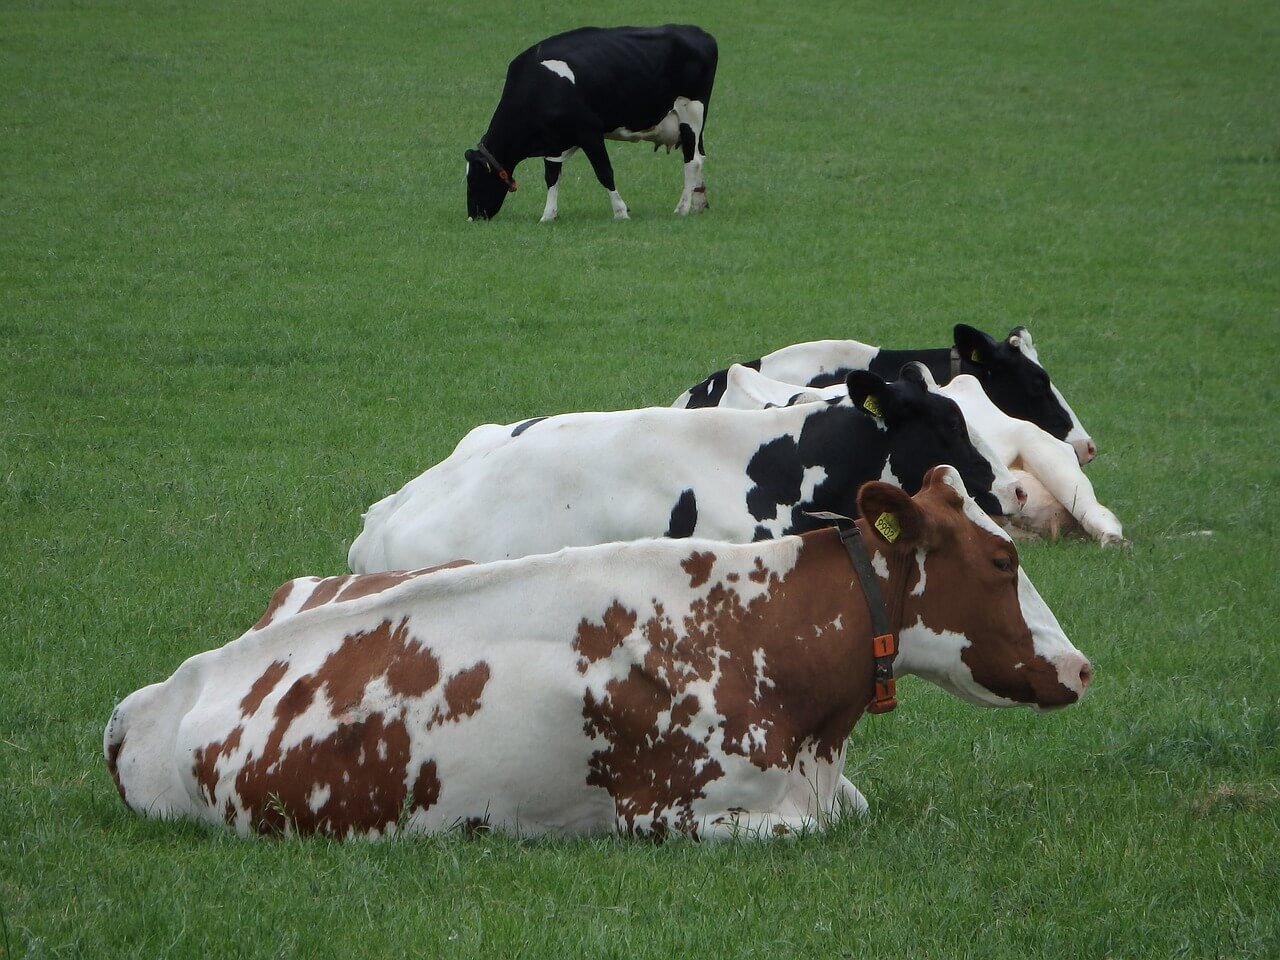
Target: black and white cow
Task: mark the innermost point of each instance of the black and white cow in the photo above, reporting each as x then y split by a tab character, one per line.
735	475
573	91
1009	371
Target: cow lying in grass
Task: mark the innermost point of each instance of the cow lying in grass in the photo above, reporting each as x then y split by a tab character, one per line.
1009	371
736	475
1060	498
663	686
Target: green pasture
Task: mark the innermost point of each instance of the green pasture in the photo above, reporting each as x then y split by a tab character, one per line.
239	302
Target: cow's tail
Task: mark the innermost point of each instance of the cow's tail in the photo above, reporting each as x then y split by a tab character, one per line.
140	746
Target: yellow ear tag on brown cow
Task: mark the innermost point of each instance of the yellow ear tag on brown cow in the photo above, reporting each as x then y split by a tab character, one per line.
888	526
872	406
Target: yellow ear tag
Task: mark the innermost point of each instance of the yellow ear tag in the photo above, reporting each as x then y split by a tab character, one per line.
872	406
887	524
974	357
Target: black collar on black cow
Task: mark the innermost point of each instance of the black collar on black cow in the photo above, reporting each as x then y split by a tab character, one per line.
498	169
884	636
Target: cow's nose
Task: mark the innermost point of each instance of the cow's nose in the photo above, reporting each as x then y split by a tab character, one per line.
1085	449
1021	493
1075	672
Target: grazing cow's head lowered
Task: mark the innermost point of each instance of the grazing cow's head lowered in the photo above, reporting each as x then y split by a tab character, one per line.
488	183
972	622
927	429
1011	375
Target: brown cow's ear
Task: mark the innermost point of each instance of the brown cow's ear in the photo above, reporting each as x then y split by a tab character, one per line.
892	515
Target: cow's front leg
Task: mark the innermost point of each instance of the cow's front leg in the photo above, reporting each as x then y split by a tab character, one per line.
551	169
849	799
599	158
692	116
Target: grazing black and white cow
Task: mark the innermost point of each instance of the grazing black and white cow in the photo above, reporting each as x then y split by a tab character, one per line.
575	90
736	475
1009	371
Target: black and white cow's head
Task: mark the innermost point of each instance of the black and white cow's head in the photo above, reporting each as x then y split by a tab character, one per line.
926	429
1013	378
488	183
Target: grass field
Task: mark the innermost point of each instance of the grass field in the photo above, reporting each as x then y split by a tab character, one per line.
239	301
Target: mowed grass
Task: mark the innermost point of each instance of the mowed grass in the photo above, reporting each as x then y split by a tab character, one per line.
239	302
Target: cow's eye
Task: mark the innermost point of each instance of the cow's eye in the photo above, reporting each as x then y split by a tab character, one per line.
1003	563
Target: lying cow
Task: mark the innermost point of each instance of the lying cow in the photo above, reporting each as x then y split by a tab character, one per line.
1009	371
688	686
575	90
736	475
1060	498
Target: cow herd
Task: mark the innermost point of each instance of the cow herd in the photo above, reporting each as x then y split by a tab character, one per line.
655	621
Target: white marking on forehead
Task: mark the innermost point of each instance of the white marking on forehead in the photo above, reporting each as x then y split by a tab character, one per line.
1047	636
560	69
1028	350
1077	431
951	477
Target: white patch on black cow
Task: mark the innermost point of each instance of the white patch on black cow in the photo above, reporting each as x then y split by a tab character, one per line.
560	69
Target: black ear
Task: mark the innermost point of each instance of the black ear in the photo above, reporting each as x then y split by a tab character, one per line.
974	345
868	392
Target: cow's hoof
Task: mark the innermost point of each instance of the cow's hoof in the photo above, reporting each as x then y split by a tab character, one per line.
682	208
550	219
1113	541
621	216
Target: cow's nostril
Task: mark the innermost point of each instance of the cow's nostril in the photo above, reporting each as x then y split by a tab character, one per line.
1021	494
1086	674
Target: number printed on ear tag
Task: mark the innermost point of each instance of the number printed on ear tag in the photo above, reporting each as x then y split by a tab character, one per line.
887	524
872	406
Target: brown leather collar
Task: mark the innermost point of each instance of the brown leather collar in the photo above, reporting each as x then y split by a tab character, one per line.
884	635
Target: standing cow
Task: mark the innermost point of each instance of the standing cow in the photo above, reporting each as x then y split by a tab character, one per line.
575	90
735	475
1009	370
662	686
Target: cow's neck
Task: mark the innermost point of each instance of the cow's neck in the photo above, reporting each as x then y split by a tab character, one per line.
508	140
887	363
818	649
857	450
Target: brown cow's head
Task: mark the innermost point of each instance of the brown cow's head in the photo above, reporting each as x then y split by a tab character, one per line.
972	621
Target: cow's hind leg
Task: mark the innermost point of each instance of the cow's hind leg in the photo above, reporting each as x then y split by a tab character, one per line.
692	116
599	158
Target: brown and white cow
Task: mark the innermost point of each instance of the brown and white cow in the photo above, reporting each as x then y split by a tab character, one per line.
660	686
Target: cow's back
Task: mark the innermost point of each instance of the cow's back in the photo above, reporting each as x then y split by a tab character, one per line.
627	76
573	480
